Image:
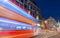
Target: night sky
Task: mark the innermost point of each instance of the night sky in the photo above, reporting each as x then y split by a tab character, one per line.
49	8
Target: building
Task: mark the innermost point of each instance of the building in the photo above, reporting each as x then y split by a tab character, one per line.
19	14
30	7
50	22
58	24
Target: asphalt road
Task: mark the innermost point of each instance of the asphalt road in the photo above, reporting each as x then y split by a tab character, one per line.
56	36
39	36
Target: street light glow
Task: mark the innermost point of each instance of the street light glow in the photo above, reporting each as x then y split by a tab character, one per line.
38	24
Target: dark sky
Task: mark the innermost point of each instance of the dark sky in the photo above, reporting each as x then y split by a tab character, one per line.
49	8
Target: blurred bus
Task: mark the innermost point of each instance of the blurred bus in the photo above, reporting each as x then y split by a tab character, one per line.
16	20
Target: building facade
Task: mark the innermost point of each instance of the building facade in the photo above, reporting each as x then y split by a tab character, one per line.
30	7
50	22
19	17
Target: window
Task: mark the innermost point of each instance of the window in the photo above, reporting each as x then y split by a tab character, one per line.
34	15
33	10
37	12
37	17
25	5
18	1
22	1
29	6
25	0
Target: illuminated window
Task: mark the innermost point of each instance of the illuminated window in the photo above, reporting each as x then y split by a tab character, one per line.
1	28
29	27
18	27
24	27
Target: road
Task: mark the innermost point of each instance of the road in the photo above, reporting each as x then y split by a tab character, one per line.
16	34
56	36
48	35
